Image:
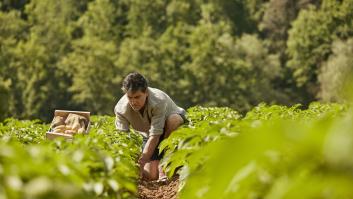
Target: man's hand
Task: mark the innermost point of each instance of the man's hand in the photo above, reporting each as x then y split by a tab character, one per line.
143	160
150	146
148	151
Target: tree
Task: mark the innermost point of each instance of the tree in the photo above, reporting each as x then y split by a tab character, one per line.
337	72
11	30
183	11
91	64
174	48
104	19
204	64
145	15
226	71
141	54
238	14
229	72
276	21
39	85
9	5
310	39
4	99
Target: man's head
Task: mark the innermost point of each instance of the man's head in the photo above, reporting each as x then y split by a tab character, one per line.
135	87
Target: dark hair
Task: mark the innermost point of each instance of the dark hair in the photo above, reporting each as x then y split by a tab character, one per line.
134	82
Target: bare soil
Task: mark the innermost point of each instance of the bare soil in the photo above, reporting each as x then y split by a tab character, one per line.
154	189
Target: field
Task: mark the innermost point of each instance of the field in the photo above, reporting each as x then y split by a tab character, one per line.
269	152
239	68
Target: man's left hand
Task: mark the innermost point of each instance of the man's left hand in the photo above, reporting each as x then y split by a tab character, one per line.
142	161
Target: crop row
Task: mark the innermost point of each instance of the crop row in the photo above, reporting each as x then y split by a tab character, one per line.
271	152
101	164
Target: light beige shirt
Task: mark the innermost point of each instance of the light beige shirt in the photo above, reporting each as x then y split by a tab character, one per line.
151	122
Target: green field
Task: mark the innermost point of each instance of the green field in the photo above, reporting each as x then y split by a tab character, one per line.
270	152
267	84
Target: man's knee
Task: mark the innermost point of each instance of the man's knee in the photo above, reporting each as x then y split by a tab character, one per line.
173	122
150	170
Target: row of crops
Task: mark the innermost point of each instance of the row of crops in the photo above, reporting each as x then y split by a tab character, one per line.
271	152
101	164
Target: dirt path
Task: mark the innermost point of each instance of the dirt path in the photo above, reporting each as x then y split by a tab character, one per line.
154	190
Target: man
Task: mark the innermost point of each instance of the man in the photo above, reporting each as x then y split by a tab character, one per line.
153	114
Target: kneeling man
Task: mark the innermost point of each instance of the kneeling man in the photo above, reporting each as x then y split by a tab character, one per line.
152	113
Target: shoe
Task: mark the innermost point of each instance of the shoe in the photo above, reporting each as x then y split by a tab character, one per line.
163	180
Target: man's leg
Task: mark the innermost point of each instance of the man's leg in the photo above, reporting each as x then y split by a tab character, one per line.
172	123
152	170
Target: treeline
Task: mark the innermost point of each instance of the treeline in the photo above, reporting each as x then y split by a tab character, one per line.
73	54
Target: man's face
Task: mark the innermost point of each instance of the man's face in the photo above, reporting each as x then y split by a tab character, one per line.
137	99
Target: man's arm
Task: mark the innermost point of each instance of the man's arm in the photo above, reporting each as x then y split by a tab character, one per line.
156	130
121	122
149	149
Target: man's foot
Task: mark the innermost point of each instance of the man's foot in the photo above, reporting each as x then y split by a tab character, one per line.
163	180
162	176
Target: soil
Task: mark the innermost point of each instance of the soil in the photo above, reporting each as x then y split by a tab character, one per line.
154	190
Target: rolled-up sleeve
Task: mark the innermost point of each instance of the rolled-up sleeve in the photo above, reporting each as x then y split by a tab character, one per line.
121	123
158	119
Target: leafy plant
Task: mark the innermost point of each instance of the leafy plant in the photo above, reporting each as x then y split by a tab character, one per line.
100	164
270	153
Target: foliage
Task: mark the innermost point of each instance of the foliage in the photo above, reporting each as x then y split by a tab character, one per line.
100	164
310	39
10	31
270	153
74	54
336	73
